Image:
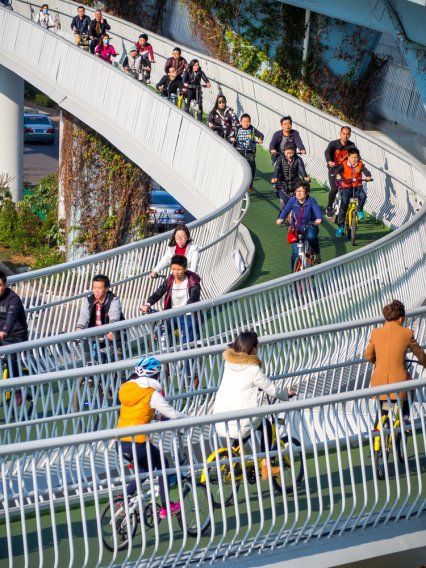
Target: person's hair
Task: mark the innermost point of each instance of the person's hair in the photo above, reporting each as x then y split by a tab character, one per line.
305	184
102	278
246	342
348	127
245	115
44	6
180	227
171	68
216	104
180	260
3	277
102	40
178	49
192	63
143	36
353	150
289	146
81	7
286	118
394	311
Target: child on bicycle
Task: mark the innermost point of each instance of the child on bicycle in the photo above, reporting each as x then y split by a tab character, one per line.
140	398
349	176
242	379
289	171
306	215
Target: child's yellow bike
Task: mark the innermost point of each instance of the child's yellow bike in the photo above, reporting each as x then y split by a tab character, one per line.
351	218
224	466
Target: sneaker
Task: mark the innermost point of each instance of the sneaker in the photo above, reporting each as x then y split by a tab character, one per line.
174	510
361	215
275	470
317	259
339	232
329	212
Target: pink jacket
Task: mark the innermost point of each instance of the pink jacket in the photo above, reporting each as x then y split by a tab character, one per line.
106	52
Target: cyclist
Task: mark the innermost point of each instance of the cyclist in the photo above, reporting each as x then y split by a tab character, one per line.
44	18
181	288
98	28
289	170
140	399
133	64
145	50
177	62
222	118
169	84
350	173
101	307
80	25
335	154
180	243
105	50
387	349
191	78
245	137
305	216
239	389
281	137
13	321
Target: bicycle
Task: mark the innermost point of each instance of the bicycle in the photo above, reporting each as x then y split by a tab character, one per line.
224	467
399	426
121	526
177	98
195	104
351	218
6	4
18	392
283	192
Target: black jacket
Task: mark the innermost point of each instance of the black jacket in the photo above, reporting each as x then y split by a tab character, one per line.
13	320
170	87
83	25
194	78
103	27
333	152
289	172
104	309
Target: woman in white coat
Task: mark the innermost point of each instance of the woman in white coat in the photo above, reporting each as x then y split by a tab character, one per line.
180	243
44	18
239	389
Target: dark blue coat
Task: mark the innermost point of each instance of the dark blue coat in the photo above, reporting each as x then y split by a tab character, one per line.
310	212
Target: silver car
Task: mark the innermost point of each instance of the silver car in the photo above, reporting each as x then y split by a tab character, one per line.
164	210
39	128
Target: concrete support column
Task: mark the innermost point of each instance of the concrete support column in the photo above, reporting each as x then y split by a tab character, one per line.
11	130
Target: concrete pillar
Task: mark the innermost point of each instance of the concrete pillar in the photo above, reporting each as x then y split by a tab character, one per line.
11	130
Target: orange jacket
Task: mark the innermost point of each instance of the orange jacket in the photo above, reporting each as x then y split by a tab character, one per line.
135	408
387	349
352	175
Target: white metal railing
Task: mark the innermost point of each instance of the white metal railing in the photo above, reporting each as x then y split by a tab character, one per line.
321	361
164	141
393	266
66	500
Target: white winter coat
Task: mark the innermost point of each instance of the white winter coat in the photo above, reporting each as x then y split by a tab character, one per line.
239	389
192	254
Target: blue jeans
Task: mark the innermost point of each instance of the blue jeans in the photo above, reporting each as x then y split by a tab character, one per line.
345	196
311	235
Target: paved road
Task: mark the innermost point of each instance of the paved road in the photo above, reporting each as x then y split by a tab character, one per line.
40	159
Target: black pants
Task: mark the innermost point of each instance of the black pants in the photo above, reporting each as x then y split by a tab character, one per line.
13	368
268	428
333	189
92	45
141	455
191	95
251	159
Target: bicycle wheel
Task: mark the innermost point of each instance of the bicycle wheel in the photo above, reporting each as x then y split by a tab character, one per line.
193	502
353	227
117	519
380	457
87	397
298	265
148	515
221	471
297	461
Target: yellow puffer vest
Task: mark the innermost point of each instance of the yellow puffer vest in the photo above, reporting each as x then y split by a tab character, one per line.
135	408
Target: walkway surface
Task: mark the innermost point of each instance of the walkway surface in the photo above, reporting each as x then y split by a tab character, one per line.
272	257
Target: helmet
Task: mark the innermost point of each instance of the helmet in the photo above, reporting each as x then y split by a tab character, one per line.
147	367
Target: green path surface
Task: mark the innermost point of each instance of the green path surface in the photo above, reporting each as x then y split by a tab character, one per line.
273	253
324	496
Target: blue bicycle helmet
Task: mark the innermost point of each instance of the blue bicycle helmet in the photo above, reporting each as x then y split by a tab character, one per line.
147	367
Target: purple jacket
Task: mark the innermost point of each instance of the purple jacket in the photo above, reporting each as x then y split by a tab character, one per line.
301	214
294	137
194	290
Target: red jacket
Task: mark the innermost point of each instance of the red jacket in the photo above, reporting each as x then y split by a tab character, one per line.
145	50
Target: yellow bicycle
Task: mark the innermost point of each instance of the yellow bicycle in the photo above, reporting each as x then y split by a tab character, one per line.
351	218
225	466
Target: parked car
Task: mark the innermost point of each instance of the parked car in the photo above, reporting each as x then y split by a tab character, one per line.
164	210
38	127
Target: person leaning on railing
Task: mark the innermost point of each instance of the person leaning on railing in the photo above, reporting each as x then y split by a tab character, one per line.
180	243
239	389
387	350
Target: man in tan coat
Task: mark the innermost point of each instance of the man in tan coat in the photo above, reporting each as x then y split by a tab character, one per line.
387	350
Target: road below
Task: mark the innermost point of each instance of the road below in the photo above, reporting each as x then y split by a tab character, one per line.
41	159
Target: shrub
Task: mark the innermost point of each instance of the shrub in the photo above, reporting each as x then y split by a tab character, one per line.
43	100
